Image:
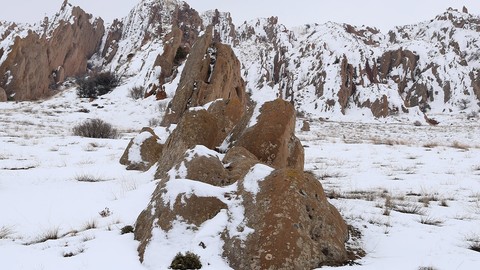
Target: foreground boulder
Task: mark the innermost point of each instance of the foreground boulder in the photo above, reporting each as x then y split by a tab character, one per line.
294	225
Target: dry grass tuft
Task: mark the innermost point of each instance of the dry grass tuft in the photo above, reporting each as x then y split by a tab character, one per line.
431	221
460	146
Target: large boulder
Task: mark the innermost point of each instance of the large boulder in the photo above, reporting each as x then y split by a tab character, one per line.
143	151
295	227
272	139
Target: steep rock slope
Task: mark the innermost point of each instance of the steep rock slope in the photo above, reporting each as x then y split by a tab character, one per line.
34	59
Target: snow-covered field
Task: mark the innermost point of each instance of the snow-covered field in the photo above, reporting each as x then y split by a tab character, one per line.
413	192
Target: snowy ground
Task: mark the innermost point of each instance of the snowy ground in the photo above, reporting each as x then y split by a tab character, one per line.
373	172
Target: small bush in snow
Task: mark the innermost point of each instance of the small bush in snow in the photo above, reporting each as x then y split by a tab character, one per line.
136	92
127	229
51	234
188	261
95	128
474	243
105	212
5	232
463	104
97	84
154	122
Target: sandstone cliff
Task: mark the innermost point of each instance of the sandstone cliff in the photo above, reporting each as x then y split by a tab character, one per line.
36	60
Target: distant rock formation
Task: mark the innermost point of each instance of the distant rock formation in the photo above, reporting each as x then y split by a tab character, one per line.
220	158
38	60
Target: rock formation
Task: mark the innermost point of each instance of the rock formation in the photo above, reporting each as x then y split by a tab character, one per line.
276	215
39	60
211	72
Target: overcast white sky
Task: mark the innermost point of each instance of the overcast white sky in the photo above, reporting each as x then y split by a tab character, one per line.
383	14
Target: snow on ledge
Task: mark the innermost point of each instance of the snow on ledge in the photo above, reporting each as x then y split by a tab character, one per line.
257	174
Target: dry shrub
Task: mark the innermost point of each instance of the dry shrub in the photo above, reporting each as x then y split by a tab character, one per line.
97	84
95	128
136	92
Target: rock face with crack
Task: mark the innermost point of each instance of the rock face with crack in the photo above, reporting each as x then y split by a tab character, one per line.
254	194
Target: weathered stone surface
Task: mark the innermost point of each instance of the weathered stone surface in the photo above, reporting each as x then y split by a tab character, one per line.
272	139
3	95
347	88
207	169
197	127
380	107
36	62
211	72
238	160
143	151
295	227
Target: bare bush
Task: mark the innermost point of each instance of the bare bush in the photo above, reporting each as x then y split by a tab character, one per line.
5	232
97	84
95	128
136	92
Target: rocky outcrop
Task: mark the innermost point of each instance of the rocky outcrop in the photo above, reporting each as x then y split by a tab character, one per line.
143	151
276	215
211	72
40	60
3	95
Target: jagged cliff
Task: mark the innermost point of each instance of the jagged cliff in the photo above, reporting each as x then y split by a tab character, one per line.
33	59
328	68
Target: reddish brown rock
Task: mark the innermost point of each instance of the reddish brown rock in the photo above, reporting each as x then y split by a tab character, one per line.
272	139
143	151
239	161
211	72
3	95
198	210
195	128
161	94
347	88
295	227
37	62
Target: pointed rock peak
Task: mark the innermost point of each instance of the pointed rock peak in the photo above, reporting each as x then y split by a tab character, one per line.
65	4
465	10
